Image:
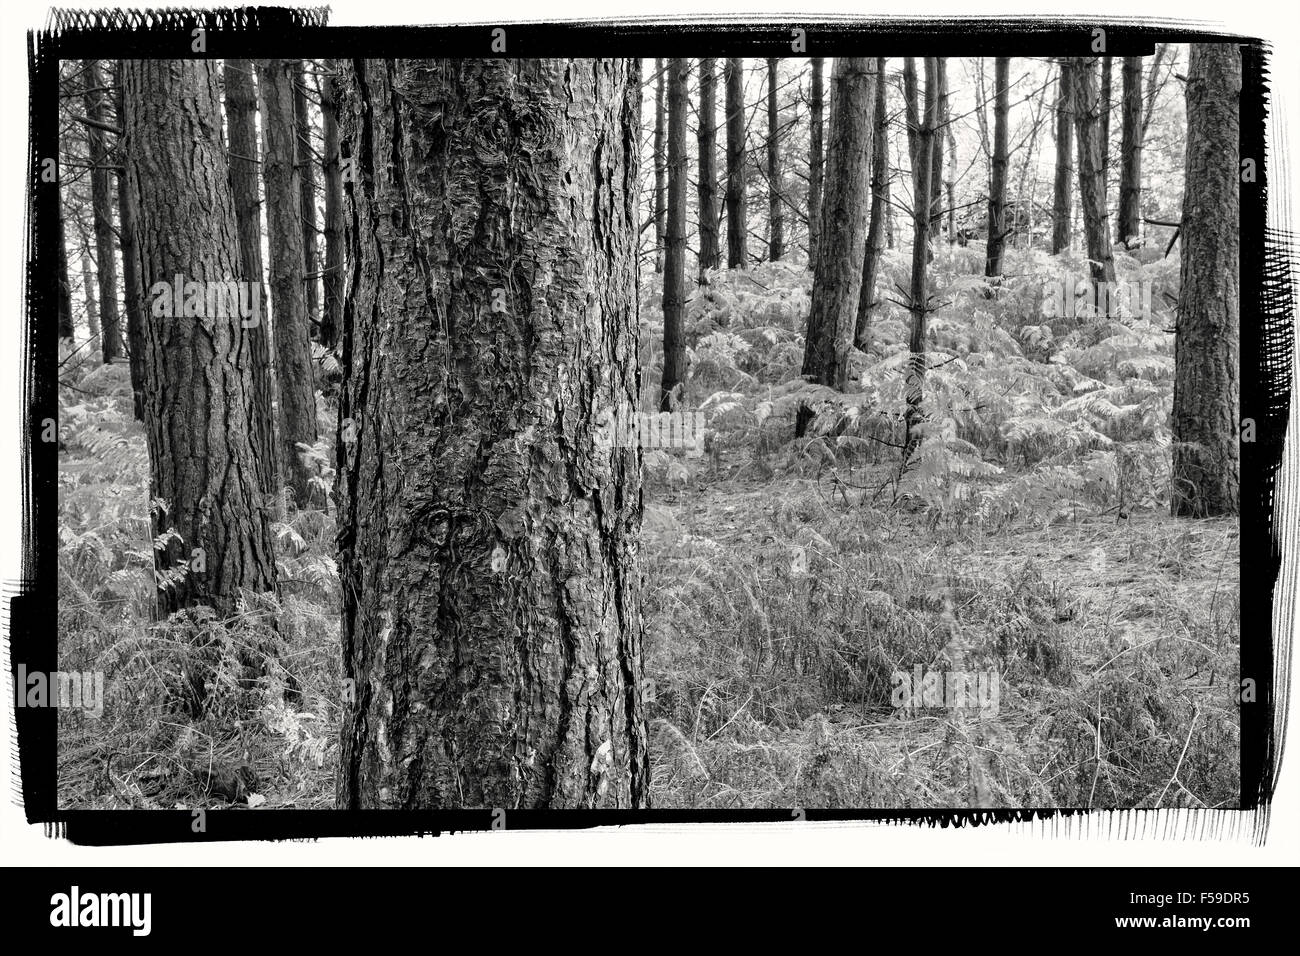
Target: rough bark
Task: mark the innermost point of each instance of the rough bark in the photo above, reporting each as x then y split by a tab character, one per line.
1103	114
816	160
241	133
290	325
306	164
1207	344
707	177
879	196
1130	150
132	294
332	313
837	282
998	180
1092	174
775	213
205	471
737	236
1061	194
67	328
101	195
674	298
491	621
936	158
661	172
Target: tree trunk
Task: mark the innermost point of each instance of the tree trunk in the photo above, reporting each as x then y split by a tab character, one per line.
67	327
1103	110
306	163
661	177
925	146
241	133
487	524
102	203
674	298
1062	197
775	223
1207	344
875	246
332	314
737	256
913	119
815	160
297	418
941	126
710	256
206	475
1092	175
837	282
88	284
132	294
1130	150
998	180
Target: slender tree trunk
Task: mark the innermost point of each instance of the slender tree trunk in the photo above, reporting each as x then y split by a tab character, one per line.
816	160
915	389
487	521
297	393
88	281
67	327
332	314
674	298
241	133
1062	197
206	476
941	126
102	202
837	282
1206	466
775	221
710	256
661	177
132	293
1092	175
1130	150
998	180
913	119
306	163
737	256
875	246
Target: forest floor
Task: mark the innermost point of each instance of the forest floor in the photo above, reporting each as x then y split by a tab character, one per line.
789	584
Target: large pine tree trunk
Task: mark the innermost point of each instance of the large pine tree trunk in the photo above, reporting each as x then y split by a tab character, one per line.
815	159
1103	110
1061	194
487	520
306	163
205	471
775	217
297	418
837	282
737	256
332	314
707	137
1207	344
879	196
1092	174
132	294
1130	155
998	181
661	171
674	377
102	202
241	134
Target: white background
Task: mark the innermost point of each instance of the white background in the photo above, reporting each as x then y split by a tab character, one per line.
802	843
